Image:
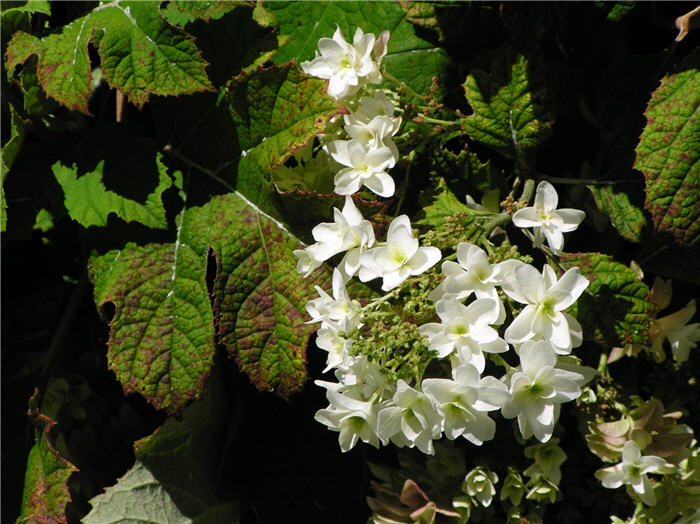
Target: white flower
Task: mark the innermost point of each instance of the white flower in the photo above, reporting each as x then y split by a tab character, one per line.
371	106
681	335
480	483
364	167
375	134
338	313
463	401
472	273
538	389
465	329
337	347
400	258
409	419
345	66
354	419
632	471
547	219
349	231
546	298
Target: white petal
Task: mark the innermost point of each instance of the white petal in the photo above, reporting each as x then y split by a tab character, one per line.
424	259
521	327
546	196
527	217
380	183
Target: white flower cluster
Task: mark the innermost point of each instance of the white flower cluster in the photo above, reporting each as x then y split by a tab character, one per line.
367	403
369	151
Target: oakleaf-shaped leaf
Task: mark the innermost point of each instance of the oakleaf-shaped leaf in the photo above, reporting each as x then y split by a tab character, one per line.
89	203
409	58
259	299
276	111
616	308
508	110
136	497
626	218
161	339
669	154
141	54
182	12
46	479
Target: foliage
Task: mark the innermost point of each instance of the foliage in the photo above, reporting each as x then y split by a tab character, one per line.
166	168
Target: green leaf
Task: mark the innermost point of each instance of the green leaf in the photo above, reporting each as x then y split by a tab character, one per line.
136	497
89	203
409	58
507	103
450	220
18	130
259	299
30	7
669	154
161	339
141	55
184	454
182	12
276	111
626	218
422	14
46	492
616	309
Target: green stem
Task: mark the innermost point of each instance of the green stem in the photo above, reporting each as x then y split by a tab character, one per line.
500	220
528	191
438	121
395	80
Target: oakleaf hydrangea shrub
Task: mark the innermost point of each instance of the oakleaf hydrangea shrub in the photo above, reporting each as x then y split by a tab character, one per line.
458	342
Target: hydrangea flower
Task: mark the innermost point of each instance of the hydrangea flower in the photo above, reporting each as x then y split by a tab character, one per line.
349	231
337	347
345	66
364	166
480	484
632	472
354	419
548	221
545	298
463	402
338	313
538	389
399	258
465	330
681	335
409	419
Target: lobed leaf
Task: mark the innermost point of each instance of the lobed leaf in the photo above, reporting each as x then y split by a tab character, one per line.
259	299
508	112
626	218
182	12
89	203
616	309
46	491
161	339
141	55
276	111
668	155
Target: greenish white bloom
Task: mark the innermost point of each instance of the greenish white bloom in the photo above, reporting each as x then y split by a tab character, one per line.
548	221
632	471
545	298
338	313
480	484
364	166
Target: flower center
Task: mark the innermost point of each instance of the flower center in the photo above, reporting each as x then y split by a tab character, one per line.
534	389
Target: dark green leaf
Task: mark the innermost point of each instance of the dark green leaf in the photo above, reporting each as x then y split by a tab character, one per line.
182	12
89	203
508	109
616	308
669	154
627	219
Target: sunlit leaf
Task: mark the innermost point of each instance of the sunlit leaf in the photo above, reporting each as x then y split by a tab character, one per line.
626	218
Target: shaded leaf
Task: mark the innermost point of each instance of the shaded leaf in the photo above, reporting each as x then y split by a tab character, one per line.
184	454
276	111
46	479
141	54
161	339
616	308
508	111
89	203
422	14
18	130
409	58
668	154
259	299
136	497
626	218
